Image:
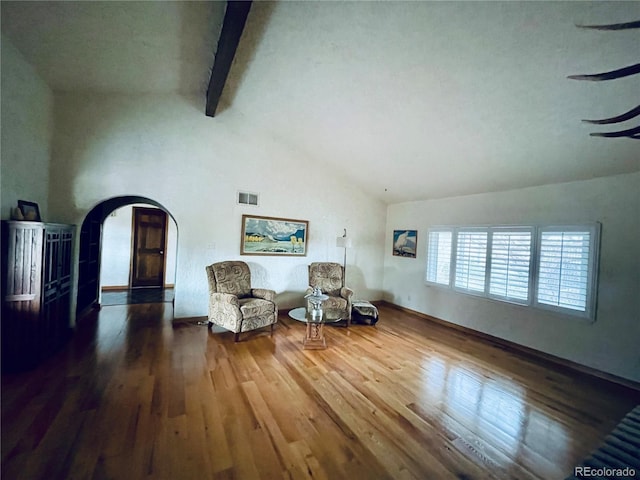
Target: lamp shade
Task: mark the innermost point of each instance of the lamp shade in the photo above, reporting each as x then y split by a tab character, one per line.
344	242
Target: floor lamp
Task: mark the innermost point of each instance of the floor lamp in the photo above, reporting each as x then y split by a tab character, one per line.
344	242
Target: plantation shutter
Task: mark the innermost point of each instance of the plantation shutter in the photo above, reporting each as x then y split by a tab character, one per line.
510	265
439	257
471	260
563	278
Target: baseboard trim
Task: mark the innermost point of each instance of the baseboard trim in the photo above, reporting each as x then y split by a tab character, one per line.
124	288
201	320
115	288
522	349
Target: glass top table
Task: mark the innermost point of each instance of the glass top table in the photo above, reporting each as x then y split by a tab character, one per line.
300	314
314	335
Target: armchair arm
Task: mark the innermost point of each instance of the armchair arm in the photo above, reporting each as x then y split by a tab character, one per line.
346	293
224	310
264	293
216	297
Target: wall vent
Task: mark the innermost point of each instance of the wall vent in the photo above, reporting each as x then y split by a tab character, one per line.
246	198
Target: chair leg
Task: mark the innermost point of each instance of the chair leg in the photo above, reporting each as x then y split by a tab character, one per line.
272	325
237	335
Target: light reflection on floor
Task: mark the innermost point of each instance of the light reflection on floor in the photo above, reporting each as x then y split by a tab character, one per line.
123	325
490	416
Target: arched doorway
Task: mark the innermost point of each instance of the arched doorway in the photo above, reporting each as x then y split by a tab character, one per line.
91	244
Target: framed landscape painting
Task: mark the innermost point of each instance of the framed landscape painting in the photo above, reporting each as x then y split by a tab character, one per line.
405	243
273	236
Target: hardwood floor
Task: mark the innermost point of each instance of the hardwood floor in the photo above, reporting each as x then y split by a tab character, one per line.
133	396
136	295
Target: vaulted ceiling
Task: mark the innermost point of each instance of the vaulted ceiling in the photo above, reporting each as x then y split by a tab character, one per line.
408	100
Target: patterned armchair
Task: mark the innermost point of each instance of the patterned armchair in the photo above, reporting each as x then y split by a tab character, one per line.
233	304
330	278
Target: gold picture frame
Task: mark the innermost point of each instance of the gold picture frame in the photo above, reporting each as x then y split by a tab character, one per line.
273	236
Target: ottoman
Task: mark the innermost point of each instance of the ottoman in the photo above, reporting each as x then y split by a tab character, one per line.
363	312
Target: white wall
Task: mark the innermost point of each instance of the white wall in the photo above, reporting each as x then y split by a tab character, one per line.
611	343
165	148
115	263
26	133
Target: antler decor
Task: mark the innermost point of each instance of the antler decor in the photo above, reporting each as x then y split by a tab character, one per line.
612	75
634	112
613	26
631	133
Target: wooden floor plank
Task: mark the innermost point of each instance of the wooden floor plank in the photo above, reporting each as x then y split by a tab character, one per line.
134	395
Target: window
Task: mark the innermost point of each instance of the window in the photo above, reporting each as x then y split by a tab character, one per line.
439	257
566	272
547	267
510	264
471	260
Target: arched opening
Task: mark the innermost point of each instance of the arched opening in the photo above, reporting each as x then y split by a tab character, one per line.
89	265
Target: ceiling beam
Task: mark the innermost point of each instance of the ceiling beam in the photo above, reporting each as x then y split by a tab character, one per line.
235	18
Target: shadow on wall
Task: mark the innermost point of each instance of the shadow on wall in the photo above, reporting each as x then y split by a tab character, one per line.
259	275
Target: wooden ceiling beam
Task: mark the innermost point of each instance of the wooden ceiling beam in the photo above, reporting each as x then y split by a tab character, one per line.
235	18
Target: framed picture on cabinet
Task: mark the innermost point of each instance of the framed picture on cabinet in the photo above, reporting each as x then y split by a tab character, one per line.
30	210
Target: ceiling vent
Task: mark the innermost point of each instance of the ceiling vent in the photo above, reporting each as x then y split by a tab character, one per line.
246	198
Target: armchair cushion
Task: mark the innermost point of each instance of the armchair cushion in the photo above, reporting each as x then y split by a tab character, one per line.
233	277
255	307
327	276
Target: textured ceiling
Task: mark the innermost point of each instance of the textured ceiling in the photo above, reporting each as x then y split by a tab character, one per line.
111	46
408	100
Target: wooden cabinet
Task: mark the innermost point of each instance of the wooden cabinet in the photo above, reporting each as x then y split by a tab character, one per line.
37	269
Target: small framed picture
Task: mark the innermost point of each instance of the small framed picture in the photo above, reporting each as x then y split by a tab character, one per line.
405	243
30	210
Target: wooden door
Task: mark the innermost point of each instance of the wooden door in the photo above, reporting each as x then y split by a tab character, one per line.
149	243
